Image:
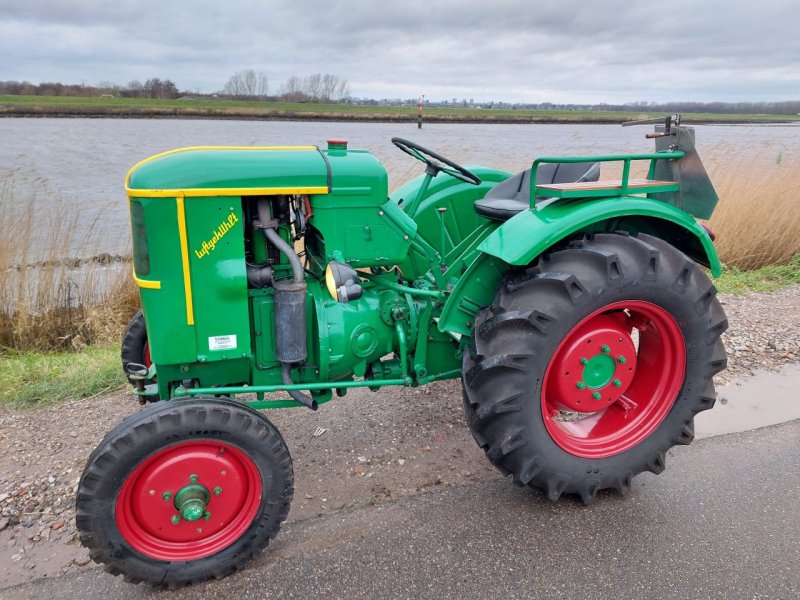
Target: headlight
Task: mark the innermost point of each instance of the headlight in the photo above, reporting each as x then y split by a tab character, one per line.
342	282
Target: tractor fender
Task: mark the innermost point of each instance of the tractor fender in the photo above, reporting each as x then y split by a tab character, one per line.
518	241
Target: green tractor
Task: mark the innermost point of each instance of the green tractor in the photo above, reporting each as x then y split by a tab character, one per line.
573	309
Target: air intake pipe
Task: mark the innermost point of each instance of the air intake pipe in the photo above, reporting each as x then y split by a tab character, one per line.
290	307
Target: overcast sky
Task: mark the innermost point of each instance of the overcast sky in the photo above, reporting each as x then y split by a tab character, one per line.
512	50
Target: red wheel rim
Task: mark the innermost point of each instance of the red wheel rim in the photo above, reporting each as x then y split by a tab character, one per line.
148	503
621	369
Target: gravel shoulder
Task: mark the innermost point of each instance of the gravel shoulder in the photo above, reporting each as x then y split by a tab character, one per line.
362	449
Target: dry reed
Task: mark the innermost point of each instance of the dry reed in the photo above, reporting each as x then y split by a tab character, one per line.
50	300
757	220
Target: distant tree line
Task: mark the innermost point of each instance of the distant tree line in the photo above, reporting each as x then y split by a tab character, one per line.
152	88
745	108
25	88
788	107
243	85
248	85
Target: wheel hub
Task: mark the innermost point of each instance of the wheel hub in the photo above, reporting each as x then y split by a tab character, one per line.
599	371
191	502
596	365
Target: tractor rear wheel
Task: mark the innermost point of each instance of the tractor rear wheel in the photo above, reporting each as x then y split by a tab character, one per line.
136	350
591	364
184	491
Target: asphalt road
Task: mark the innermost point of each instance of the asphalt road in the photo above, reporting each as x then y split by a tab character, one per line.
723	521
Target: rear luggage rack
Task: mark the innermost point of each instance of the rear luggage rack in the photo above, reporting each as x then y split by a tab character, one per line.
607	188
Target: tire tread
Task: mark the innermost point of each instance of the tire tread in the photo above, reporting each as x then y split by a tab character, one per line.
499	359
159	423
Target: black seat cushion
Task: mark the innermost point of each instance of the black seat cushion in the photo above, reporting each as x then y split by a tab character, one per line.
512	196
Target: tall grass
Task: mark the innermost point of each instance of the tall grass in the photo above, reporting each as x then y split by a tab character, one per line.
50	297
757	220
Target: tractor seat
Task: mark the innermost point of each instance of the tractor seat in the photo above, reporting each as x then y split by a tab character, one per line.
513	195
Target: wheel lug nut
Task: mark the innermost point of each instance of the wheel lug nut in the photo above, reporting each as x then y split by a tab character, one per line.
166	496
206	515
580	385
584	361
597	395
217	491
605	349
616	383
621	360
193	478
175	519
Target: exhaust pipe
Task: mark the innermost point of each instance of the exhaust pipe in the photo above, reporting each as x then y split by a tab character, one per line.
290	332
290	308
286	376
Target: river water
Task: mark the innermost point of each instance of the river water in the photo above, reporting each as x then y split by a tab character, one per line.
83	162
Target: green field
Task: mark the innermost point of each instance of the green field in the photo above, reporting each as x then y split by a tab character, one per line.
60	106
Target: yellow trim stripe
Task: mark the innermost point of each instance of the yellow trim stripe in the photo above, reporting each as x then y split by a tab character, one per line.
187	280
190	148
144	283
198	192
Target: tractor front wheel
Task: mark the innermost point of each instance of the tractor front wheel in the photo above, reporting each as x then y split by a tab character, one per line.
136	350
591	364
183	491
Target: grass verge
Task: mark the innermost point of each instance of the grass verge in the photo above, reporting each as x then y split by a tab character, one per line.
29	379
765	279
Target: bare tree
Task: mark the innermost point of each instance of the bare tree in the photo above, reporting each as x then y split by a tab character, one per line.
292	90
313	86
262	86
249	80
327	88
156	88
246	83
317	87
135	88
342	91
234	85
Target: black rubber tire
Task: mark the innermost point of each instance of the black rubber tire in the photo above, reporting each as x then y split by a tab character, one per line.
534	309
134	341
150	431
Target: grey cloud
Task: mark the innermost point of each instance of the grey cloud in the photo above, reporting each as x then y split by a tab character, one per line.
608	50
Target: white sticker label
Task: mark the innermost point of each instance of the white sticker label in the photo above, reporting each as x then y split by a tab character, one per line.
222	342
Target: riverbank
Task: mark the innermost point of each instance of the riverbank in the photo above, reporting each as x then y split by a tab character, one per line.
141	108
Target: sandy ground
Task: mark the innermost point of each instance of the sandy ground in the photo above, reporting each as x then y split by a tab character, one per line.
361	449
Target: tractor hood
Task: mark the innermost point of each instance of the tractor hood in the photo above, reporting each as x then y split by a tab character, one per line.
231	171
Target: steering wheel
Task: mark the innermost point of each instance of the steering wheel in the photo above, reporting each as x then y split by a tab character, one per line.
436	162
